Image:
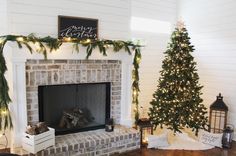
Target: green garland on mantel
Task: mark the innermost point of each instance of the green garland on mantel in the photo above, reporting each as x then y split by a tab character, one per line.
43	45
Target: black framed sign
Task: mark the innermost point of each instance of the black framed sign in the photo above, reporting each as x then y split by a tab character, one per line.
77	27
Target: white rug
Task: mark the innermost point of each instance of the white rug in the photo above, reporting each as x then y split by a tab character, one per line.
184	142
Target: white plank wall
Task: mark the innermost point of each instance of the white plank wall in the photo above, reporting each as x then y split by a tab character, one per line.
40	17
3	17
156	43
211	25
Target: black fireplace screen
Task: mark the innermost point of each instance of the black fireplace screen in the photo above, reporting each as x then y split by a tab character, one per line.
74	107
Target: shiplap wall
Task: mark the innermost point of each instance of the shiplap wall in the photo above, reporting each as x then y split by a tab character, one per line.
156	43
40	17
211	25
3	17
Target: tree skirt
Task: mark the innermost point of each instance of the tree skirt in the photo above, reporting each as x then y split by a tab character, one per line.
184	142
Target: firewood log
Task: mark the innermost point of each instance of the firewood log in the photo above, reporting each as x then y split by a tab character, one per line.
42	127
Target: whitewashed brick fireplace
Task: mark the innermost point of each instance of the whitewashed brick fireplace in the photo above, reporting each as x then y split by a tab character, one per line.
63	67
54	72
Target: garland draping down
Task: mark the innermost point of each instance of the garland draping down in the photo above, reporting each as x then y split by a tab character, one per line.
42	45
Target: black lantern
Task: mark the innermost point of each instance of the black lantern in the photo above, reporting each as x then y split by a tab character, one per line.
227	138
146	128
218	115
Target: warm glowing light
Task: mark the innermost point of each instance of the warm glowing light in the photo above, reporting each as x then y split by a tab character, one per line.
183	45
1	41
88	40
138	59
37	45
135	93
20	39
133	77
145	140
56	50
4	112
68	39
106	46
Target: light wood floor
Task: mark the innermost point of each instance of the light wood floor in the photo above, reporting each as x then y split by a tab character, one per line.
157	152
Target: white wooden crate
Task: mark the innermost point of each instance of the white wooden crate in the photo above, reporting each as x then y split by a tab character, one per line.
35	143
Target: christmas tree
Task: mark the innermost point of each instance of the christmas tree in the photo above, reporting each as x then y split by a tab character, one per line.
176	102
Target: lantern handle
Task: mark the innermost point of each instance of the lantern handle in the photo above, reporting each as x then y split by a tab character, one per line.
230	125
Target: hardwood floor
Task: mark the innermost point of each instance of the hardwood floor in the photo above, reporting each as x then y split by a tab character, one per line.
158	152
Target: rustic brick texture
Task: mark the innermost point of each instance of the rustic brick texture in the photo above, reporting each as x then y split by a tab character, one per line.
92	143
52	72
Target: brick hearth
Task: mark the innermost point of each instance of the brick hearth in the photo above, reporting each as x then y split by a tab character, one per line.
92	143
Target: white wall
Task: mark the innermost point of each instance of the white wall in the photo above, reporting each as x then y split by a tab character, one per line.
40	17
211	26
156	43
3	17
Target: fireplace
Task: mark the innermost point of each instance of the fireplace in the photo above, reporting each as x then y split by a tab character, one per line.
28	74
74	107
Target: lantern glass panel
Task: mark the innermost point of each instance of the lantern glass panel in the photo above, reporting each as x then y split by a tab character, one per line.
218	115
217	121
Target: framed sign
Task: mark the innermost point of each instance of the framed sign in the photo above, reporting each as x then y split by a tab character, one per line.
77	27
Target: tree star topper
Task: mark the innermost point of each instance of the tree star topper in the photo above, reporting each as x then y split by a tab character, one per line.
180	24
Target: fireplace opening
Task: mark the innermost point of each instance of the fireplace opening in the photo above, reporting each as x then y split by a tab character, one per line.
71	108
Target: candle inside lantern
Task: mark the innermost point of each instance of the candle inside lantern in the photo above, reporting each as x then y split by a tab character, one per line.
145	140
